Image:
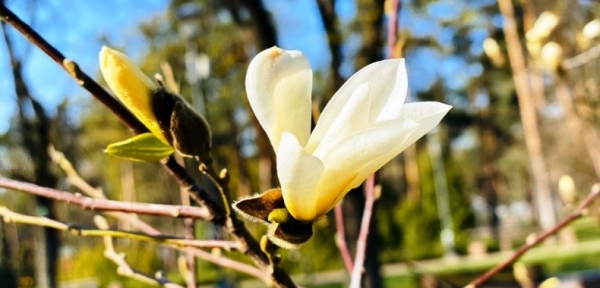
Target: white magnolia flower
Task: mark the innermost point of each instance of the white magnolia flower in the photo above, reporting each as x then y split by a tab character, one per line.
363	127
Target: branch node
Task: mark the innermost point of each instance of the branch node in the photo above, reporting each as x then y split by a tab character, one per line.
74	71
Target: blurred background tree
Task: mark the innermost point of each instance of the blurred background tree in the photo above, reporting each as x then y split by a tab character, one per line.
456	52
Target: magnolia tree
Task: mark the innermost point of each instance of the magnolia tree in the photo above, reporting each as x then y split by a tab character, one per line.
364	125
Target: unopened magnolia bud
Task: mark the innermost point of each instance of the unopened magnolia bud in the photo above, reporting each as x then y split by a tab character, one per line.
492	51
534	47
521	274
131	86
553	282
543	26
551	56
183	128
567	190
591	30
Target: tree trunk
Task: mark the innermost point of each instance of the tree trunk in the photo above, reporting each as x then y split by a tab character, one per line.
529	119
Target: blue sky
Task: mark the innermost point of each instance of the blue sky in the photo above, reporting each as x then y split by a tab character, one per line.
76	34
75	28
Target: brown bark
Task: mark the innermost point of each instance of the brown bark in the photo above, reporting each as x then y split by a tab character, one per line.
528	116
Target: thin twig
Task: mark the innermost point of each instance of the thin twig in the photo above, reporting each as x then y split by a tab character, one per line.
248	245
106	205
361	244
135	222
581	58
11	216
174	242
340	237
123	267
227	263
125	270
580	211
87	189
393	26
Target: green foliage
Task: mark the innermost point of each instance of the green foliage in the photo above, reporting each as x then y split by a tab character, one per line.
420	220
142	147
89	262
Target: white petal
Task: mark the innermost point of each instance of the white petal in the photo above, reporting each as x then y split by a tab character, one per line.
388	87
299	174
427	114
279	84
346	158
353	117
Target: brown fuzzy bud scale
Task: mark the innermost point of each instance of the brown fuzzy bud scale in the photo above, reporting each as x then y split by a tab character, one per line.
183	128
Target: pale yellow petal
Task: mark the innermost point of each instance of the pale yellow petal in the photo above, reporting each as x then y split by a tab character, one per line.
332	188
388	86
299	174
347	158
279	84
131	86
427	114
353	117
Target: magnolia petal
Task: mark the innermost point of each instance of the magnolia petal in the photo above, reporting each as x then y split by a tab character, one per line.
350	155
279	84
299	174
427	114
353	117
131	86
388	88
362	146
331	189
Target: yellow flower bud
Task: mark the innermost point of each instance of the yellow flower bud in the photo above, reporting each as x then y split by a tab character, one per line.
591	30
492	50
131	86
567	190
551	56
168	116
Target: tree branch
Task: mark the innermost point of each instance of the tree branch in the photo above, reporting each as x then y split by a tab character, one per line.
580	211
106	205
371	195
340	237
248	245
168	241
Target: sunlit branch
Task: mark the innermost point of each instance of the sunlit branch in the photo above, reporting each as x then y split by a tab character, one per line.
391	11
172	242
87	189
123	267
582	58
78	182
340	237
371	194
248	245
106	205
579	212
125	270
10	216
